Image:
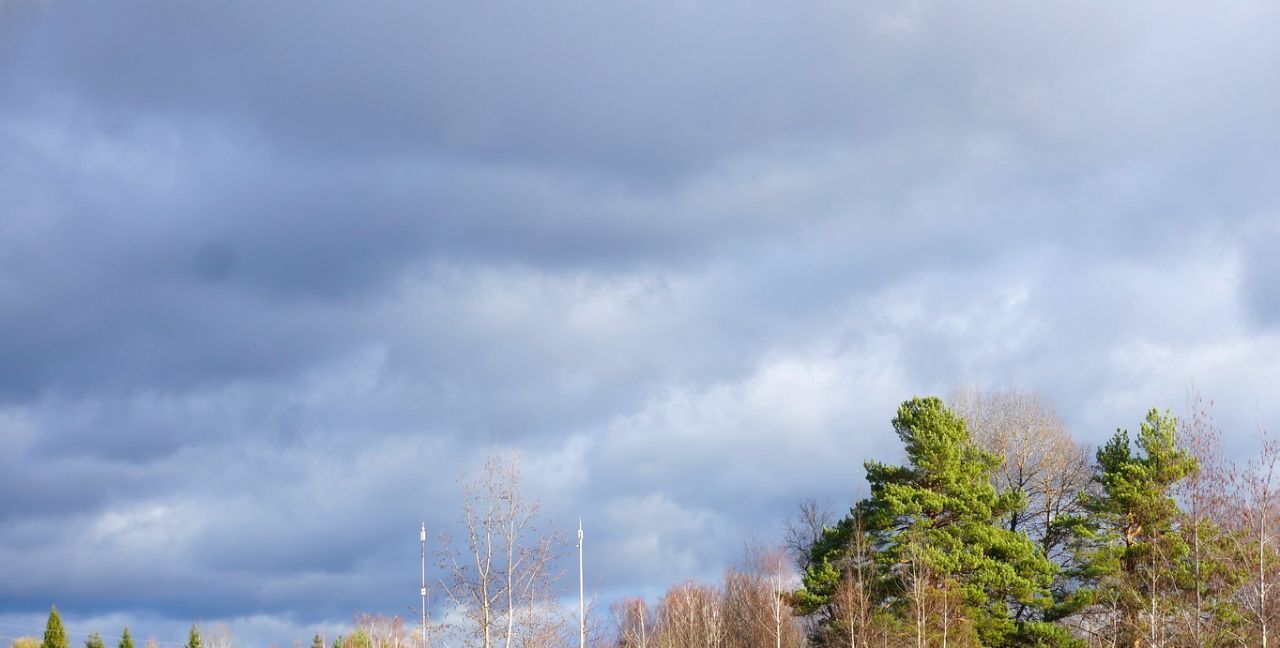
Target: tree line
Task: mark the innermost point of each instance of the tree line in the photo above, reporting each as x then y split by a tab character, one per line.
997	529
369	631
1000	529
55	636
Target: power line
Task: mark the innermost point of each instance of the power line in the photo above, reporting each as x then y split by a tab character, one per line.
38	631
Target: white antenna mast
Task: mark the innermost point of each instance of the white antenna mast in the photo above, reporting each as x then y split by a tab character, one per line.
582	609
422	538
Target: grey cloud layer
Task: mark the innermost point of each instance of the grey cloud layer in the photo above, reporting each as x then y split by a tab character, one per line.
271	275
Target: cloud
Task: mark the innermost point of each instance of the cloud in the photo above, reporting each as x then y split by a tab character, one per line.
272	276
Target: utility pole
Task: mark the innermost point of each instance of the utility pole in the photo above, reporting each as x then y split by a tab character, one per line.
582	606
422	538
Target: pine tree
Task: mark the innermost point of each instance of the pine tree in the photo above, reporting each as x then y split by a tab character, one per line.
193	639
94	641
126	640
1131	546
317	641
944	560
55	636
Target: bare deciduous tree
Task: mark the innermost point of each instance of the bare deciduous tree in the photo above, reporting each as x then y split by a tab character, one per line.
501	582
917	582
1254	542
1040	459
691	615
756	611
635	623
1206	499
805	529
384	631
853	597
217	635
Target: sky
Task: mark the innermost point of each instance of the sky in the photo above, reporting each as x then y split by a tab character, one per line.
274	274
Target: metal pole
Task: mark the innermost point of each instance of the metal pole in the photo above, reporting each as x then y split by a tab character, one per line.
422	538
582	609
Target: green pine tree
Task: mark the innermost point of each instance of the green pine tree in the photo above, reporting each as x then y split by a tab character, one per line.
94	641
1132	552
317	641
55	636
126	640
936	525
193	638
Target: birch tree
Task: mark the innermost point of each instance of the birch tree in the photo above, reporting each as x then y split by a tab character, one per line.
635	621
757	613
501	580
1207	615
691	615
217	635
1255	542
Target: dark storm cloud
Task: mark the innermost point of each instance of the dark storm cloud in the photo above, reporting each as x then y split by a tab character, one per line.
271	275
606	85
1260	270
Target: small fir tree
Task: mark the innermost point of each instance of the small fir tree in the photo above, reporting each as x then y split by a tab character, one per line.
55	636
193	638
94	641
126	639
